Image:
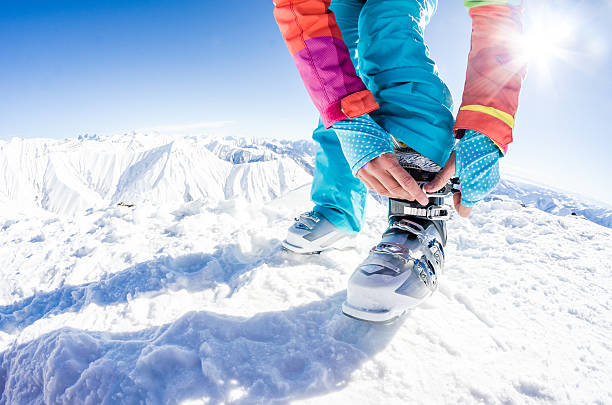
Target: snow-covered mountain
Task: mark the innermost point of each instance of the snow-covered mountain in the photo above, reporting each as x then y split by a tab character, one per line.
71	176
186	296
553	201
74	175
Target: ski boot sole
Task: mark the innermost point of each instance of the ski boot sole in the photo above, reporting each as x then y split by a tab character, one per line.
288	247
347	242
379	317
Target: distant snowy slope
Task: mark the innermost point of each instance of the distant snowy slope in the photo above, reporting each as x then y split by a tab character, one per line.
244	150
71	176
554	202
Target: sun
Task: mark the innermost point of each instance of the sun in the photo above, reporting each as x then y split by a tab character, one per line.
546	39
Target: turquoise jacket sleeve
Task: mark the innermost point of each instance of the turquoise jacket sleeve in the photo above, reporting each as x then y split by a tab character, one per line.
477	166
362	140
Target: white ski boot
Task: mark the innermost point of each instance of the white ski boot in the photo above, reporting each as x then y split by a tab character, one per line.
403	269
313	233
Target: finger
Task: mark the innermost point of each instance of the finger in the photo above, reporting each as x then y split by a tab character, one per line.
408	183
462	210
373	184
395	189
364	180
391	184
377	170
443	177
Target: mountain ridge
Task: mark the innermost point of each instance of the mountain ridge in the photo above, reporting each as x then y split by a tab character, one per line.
73	175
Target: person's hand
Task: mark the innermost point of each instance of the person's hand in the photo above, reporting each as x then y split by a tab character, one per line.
476	163
385	176
442	178
369	152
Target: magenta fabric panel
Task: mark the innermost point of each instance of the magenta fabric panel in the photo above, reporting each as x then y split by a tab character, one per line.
329	75
332	114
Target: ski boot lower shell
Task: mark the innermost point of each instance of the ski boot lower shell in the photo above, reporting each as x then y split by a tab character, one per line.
399	273
403	269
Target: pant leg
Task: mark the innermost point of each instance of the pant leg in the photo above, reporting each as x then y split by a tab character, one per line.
337	194
415	105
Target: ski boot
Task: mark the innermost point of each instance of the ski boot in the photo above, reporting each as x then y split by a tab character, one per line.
312	233
403	269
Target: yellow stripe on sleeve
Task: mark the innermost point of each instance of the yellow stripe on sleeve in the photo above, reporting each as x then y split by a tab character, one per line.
494	112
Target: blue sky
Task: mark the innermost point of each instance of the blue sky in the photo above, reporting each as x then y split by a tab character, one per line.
74	67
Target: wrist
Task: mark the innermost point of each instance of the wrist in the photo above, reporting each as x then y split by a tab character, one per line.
362	140
477	166
366	159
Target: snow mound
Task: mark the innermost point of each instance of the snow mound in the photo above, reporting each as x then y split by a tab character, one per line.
187	297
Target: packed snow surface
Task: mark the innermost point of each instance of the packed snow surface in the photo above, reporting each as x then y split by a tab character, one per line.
148	269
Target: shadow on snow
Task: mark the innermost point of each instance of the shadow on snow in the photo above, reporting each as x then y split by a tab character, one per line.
194	272
272	357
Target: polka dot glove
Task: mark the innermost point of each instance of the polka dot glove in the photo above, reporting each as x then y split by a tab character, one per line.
362	140
477	166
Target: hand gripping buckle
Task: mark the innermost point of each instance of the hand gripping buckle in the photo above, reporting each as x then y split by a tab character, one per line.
435	210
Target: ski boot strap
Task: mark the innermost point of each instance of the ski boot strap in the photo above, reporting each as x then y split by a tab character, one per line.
401	208
435	210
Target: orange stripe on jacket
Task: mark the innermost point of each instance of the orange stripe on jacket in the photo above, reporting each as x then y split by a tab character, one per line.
300	20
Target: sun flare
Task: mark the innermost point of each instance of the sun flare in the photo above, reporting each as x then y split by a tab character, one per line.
546	39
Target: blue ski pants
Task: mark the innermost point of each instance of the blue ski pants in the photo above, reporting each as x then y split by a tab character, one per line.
385	40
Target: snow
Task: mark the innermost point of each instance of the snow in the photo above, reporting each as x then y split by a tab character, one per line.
71	176
553	201
187	297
